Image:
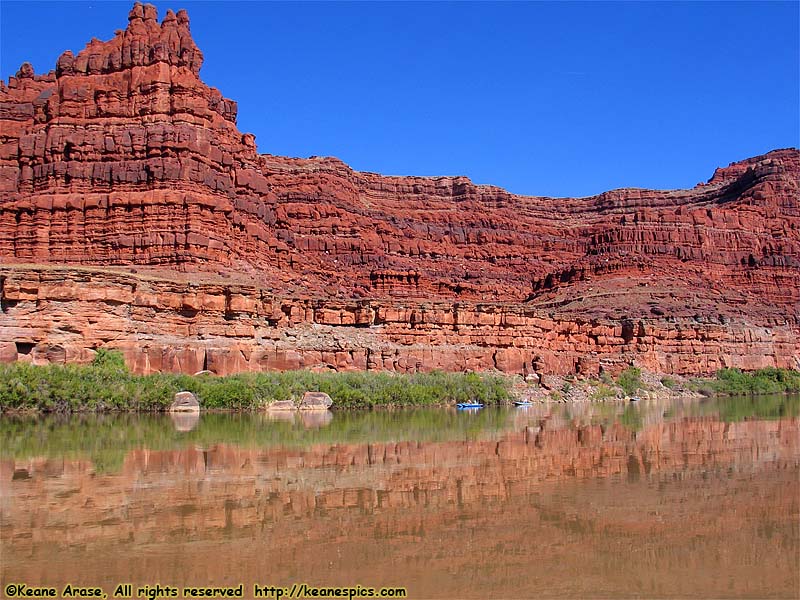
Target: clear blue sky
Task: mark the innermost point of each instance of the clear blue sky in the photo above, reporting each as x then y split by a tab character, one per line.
560	99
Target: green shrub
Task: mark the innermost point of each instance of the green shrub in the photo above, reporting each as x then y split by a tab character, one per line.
630	380
109	359
603	392
669	382
762	381
702	386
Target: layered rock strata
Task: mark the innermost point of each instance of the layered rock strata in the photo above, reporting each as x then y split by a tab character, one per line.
60	314
122	156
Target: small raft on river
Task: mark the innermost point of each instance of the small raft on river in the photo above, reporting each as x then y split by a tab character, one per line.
469	405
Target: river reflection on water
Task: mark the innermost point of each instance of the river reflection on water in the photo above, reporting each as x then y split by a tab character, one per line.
681	499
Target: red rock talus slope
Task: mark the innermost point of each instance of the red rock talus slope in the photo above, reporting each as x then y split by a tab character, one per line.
123	157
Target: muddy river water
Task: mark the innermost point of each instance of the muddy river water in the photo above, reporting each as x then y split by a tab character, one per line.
679	499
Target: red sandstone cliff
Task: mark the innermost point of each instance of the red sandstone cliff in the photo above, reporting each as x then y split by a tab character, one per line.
122	156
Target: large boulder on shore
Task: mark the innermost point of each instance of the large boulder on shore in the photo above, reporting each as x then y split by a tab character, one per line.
184	402
315	401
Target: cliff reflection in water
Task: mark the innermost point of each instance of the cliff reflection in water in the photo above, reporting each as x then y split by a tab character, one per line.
594	500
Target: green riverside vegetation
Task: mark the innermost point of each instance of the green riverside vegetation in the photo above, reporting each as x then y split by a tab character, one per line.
734	382
107	385
630	380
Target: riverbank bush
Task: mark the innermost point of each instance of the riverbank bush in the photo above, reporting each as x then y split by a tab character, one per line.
106	385
603	392
630	380
669	382
763	381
